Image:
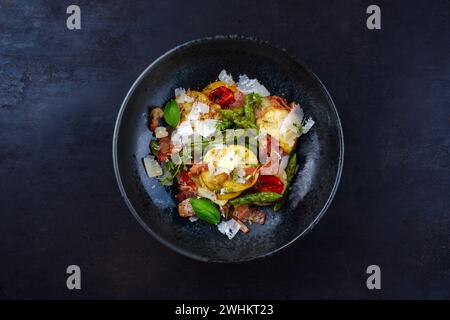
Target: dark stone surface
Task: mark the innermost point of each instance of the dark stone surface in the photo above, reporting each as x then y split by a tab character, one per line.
60	91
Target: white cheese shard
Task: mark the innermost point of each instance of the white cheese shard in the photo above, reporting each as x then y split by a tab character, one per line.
229	228
205	193
177	145
161	132
193	115
196	109
283	164
206	128
246	85
226	77
308	125
184	129
293	121
152	167
182	135
193	219
181	96
177	139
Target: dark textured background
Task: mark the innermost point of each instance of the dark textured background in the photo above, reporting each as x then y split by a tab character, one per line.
60	91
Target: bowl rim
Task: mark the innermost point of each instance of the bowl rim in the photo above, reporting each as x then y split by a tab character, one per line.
130	94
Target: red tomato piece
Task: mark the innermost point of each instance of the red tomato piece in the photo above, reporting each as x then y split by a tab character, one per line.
269	184
185	180
222	95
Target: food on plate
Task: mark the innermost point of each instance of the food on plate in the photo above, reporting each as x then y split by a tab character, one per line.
228	150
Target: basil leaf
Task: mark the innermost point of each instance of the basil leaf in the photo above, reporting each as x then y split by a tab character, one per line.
206	210
172	113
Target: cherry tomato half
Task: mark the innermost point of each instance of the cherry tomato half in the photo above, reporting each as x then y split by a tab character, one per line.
269	184
222	95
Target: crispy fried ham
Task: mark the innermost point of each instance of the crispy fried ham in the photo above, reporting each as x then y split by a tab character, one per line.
155	116
279	102
269	155
185	209
242	226
247	213
165	148
239	100
186	186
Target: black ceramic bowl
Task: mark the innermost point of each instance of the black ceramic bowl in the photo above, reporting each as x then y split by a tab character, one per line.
194	65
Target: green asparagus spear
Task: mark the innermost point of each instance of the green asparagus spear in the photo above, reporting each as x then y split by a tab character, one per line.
242	117
248	119
251	101
260	197
291	167
290	173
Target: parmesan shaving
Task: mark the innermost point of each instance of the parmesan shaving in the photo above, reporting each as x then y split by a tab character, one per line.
193	219
226	78
229	228
181	96
196	110
161	132
205	193
246	85
152	167
308	125
206	128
